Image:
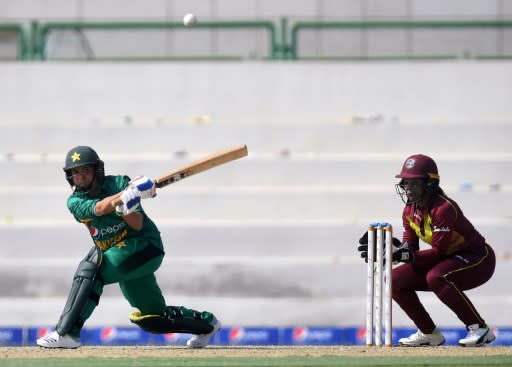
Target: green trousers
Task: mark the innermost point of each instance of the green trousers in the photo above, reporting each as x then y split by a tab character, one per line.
132	264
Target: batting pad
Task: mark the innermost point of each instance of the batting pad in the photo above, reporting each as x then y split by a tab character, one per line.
163	324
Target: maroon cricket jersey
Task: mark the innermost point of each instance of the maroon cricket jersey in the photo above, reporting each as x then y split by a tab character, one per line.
443	226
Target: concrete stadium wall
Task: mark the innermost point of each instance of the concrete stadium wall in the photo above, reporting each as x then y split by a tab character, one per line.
256	92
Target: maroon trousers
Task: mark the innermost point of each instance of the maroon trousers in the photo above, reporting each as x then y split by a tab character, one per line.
447	279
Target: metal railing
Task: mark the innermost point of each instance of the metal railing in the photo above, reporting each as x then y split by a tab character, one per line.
406	26
32	44
42	31
21	38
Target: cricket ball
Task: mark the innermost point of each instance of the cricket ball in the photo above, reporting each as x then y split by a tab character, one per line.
189	20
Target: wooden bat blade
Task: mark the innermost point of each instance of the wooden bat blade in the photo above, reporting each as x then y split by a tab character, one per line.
198	166
201	165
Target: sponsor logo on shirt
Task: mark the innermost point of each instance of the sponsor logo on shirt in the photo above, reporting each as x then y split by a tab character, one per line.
115	233
117	240
441	229
100	232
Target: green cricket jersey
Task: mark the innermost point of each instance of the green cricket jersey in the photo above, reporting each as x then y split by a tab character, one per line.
110	229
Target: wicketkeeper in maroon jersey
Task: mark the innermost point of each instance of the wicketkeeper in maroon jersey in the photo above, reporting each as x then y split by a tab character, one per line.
458	259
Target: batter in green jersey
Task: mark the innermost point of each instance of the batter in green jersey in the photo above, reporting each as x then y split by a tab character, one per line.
128	250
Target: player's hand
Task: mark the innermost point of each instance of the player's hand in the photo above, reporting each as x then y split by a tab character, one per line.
145	185
363	246
131	200
404	254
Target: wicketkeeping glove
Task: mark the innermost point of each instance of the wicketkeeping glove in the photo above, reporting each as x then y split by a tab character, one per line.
145	185
403	254
363	246
131	200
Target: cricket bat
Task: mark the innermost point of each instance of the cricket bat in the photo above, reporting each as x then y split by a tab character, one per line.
213	160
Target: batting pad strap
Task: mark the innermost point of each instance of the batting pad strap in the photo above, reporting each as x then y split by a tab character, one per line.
136	317
163	324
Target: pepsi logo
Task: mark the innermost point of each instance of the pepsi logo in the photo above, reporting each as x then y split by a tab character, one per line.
361	333
94	232
108	333
236	334
42	331
171	337
300	333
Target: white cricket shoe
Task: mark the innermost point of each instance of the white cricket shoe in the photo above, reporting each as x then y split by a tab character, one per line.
54	340
477	336
202	340
419	339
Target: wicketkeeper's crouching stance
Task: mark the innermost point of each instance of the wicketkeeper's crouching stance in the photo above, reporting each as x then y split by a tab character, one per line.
128	250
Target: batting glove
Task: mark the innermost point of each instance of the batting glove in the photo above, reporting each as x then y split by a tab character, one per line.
131	200
145	185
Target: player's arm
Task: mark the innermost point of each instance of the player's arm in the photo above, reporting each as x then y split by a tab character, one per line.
130	198
408	235
133	219
443	240
444	236
141	187
104	207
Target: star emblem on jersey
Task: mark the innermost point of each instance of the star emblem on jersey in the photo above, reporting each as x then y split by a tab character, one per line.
75	157
410	163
